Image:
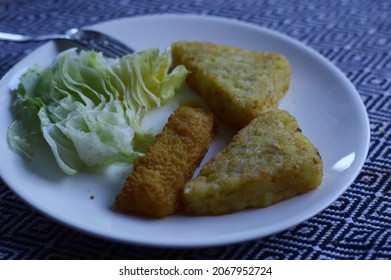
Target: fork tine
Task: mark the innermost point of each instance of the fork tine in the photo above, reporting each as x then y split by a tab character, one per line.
107	50
102	43
116	48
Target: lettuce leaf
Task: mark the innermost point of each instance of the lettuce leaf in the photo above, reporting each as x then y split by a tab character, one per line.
90	108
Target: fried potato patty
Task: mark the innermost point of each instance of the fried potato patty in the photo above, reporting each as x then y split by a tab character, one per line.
235	83
155	186
268	161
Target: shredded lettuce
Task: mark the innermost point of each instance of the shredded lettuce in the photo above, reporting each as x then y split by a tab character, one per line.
90	108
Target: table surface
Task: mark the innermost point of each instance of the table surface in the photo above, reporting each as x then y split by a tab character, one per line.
356	226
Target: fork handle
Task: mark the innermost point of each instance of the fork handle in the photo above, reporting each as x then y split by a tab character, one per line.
26	38
14	37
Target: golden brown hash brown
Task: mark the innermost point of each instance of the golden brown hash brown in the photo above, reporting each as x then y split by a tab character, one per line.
155	186
268	161
235	83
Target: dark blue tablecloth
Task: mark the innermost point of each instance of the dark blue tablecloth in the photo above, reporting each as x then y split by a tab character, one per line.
354	35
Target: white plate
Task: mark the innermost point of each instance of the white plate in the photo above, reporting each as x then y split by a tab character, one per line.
326	104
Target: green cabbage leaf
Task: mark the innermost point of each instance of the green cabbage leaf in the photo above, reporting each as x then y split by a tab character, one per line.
89	108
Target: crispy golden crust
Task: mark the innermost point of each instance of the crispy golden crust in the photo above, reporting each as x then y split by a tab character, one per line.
155	185
235	83
268	161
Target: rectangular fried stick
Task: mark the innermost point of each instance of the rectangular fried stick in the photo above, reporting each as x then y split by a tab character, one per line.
155	186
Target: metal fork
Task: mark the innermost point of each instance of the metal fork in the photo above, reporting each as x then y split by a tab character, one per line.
87	38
